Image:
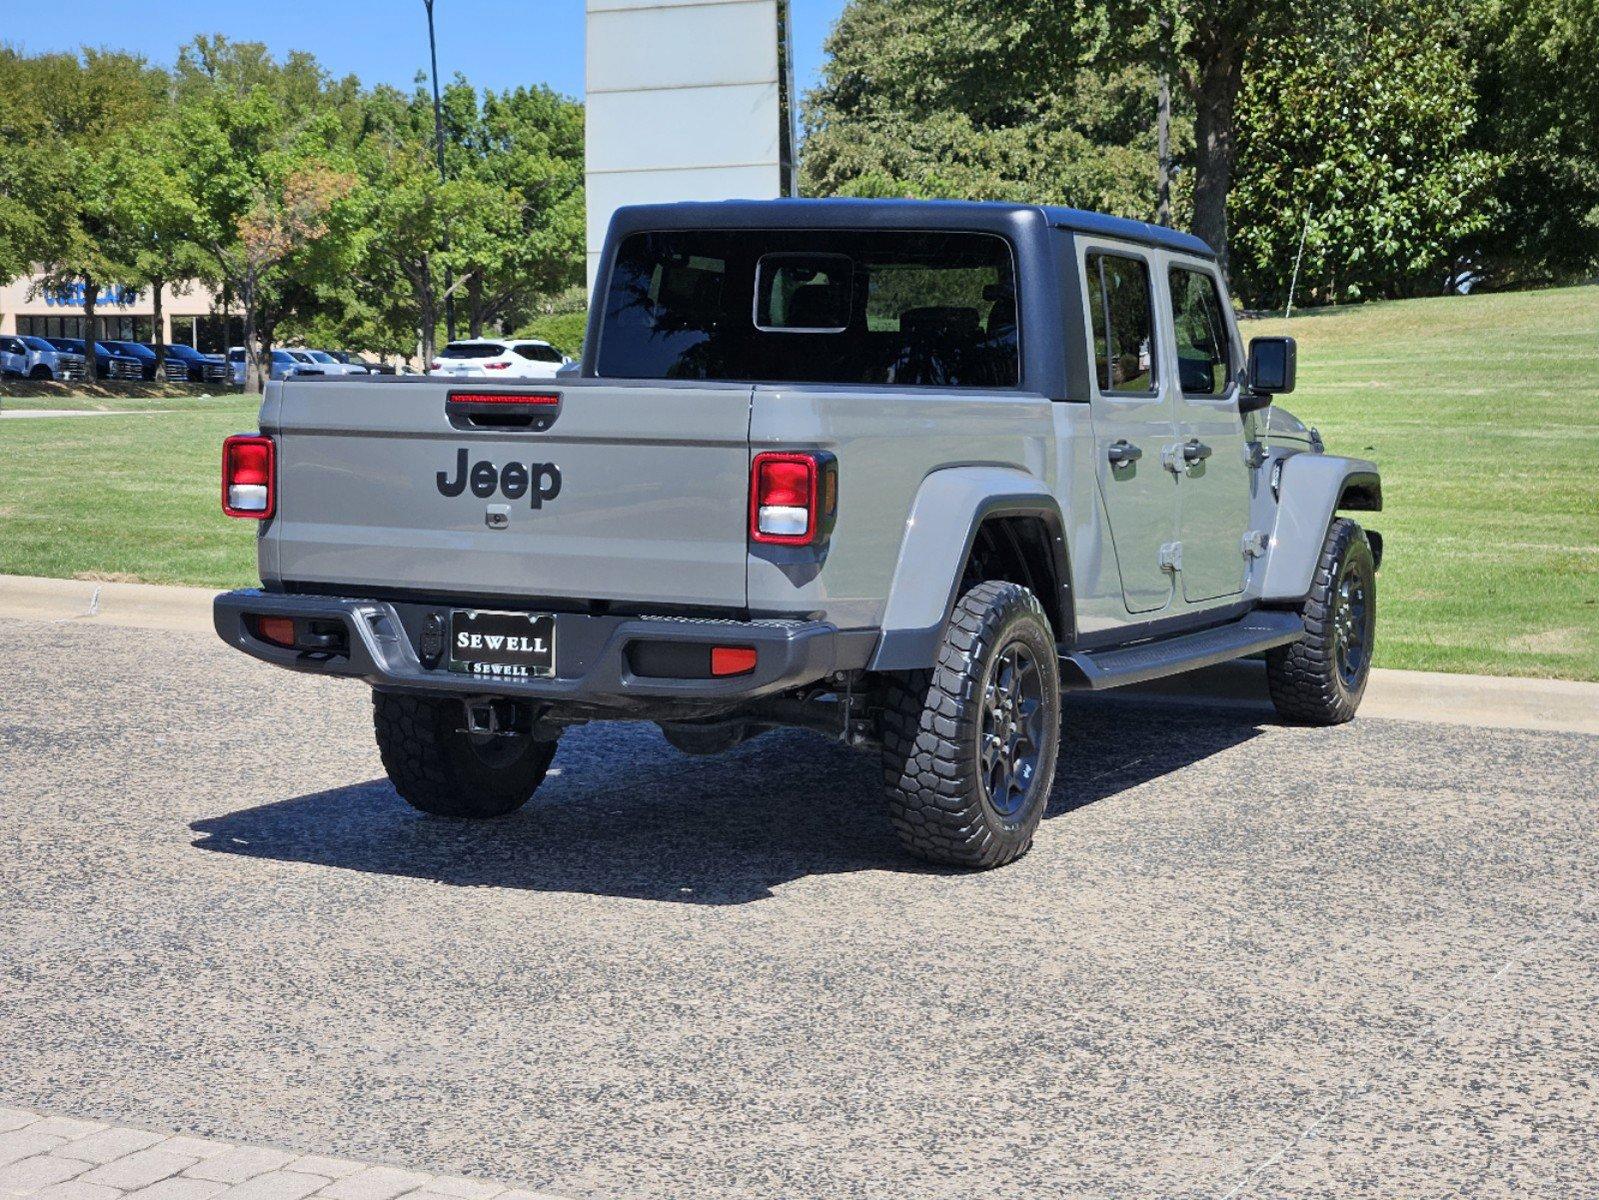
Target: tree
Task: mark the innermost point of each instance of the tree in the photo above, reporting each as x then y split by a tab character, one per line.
266	162
87	108
1538	96
910	104
525	146
152	205
31	182
1357	134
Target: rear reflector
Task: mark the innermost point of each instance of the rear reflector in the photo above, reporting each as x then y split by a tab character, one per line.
505	398
732	660
248	467
277	630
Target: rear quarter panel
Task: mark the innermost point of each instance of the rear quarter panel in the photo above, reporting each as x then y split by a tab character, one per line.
887	442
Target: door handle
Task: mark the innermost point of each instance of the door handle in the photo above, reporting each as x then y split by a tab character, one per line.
1195	450
1122	452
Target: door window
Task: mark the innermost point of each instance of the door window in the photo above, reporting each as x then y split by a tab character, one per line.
1204	349
1123	315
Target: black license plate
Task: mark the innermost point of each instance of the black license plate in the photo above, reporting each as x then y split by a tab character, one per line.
502	645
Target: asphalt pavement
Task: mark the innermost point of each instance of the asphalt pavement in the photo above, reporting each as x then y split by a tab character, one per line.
1242	959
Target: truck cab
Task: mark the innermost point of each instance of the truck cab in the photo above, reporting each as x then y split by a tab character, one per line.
895	471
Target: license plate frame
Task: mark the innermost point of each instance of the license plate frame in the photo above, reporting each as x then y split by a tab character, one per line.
509	645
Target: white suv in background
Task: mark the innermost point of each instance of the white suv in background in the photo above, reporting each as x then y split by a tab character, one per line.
499	358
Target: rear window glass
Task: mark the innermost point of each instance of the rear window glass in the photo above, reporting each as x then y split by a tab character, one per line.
813	306
539	353
472	350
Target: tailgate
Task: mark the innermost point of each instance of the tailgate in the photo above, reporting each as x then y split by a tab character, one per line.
631	492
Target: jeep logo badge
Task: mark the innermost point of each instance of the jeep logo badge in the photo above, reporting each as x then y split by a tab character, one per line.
540	481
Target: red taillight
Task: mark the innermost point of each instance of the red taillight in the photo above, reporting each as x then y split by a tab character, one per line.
248	467
792	497
495	366
435	365
732	660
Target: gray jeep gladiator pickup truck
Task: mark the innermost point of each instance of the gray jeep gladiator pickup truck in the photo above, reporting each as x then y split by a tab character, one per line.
897	471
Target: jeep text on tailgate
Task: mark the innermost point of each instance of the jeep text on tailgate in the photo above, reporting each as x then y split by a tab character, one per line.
894	471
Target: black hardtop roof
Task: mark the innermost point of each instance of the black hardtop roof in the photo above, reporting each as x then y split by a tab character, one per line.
841	212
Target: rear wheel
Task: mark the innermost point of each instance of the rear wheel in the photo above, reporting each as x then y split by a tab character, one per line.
440	768
1320	679
969	747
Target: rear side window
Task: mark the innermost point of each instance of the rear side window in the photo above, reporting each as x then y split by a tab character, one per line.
472	350
813	306
1123	316
1204	349
538	353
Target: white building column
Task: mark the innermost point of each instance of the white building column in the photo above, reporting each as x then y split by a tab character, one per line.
684	102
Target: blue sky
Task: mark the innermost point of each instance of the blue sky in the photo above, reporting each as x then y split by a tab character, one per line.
495	43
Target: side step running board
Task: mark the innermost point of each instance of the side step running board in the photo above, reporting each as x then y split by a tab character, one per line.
1251	633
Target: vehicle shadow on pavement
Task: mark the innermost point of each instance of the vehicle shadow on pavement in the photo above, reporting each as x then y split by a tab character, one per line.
625	815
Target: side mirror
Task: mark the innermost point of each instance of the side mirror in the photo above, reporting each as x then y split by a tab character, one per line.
1273	362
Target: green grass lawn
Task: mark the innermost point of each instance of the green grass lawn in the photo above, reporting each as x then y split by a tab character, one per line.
1483	412
133	496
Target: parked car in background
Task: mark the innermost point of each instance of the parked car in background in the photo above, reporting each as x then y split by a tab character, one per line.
32	357
499	358
13	357
331	364
187	363
373	366
148	361
285	363
108	363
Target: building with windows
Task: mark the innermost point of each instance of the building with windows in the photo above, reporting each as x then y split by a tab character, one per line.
192	316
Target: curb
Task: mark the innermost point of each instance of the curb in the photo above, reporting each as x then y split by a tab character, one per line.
138	605
1488	701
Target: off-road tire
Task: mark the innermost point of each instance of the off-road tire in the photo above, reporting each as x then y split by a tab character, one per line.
931	726
1304	678
440	769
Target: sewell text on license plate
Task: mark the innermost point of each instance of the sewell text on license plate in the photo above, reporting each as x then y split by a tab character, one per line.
502	645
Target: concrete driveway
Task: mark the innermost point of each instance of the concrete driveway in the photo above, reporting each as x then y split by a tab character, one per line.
1242	959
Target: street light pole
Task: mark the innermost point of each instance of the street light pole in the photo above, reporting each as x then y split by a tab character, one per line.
438	147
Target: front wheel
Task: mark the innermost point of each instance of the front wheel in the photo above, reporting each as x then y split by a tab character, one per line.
969	747
440	768
1320	679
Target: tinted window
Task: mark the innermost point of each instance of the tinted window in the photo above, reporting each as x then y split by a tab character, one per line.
1204	350
1124	321
539	353
37	343
813	306
803	291
472	350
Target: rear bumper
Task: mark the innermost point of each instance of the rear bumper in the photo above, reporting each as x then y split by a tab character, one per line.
592	655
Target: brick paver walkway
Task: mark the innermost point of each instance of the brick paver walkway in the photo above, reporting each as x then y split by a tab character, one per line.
61	1158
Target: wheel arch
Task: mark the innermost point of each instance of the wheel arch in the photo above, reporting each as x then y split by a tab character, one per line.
1311	490
1002	517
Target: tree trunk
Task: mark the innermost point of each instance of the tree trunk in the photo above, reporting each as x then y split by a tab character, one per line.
1215	94
91	363
158	334
474	300
427	304
253	380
